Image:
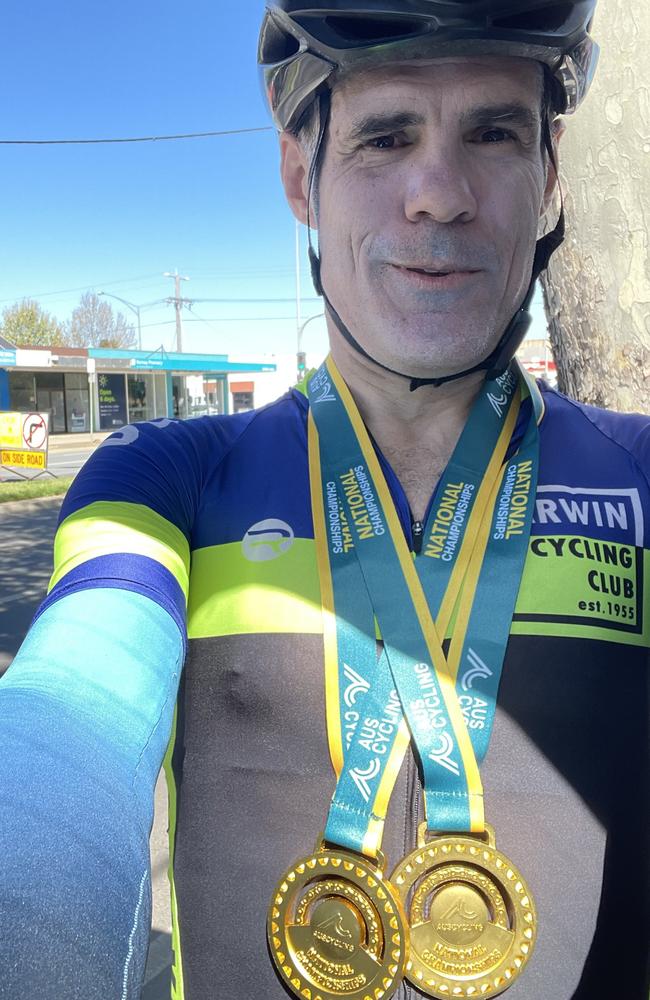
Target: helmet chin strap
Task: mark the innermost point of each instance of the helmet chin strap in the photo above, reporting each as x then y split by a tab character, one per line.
500	357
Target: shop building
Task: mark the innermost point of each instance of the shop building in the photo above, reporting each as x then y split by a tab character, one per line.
102	389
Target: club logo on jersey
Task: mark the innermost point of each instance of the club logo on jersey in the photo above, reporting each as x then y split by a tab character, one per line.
478	669
442	754
586	564
609	514
357	685
363	776
268	539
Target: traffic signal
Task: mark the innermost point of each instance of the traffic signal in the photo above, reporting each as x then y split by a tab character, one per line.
302	363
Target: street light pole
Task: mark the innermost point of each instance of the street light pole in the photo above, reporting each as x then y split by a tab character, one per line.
299	357
298	316
302	326
133	307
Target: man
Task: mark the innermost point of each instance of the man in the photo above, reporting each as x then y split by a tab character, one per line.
420	138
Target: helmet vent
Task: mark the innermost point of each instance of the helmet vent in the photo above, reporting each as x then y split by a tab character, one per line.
547	19
277	45
364	30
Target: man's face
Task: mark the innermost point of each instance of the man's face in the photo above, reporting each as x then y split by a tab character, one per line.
432	167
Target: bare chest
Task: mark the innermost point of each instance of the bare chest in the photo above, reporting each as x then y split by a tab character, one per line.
418	470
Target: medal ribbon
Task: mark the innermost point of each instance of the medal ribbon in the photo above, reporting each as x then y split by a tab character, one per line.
366	728
365	566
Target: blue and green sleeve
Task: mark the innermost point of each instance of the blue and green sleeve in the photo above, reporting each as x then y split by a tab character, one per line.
86	712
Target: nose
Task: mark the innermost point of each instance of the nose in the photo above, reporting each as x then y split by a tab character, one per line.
438	187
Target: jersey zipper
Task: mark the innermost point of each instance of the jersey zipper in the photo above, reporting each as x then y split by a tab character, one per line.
417	534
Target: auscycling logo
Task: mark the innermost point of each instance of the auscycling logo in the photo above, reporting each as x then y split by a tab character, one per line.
442	751
478	669
363	776
320	388
499	400
267	540
356	685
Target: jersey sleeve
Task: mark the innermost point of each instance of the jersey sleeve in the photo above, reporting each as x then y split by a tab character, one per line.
86	710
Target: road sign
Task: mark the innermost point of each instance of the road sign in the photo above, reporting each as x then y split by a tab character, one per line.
23	440
24	459
35	431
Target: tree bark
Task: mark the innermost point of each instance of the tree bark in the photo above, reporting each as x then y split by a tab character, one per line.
597	287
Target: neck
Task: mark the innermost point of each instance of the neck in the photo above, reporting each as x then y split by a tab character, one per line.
416	431
390	410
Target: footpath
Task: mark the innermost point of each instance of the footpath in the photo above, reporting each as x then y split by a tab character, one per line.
76	442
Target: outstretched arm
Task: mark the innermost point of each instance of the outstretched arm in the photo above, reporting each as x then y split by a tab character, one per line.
85	716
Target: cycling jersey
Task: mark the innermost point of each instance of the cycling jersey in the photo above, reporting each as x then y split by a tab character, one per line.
201	531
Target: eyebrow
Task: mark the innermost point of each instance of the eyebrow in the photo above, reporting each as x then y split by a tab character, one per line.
383	123
387	123
515	114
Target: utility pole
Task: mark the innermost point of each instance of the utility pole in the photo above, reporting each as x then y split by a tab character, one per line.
179	302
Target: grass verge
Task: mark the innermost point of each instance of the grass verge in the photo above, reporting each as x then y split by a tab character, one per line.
14	490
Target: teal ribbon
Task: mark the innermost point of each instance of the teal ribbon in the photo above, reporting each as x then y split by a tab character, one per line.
367	579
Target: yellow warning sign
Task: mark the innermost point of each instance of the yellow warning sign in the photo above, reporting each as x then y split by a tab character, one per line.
24	459
11	430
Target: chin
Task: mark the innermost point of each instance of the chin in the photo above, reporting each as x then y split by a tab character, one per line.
422	354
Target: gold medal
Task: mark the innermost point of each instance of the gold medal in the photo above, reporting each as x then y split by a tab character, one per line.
336	928
472	919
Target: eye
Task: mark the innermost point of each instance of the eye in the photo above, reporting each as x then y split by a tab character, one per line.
496	135
383	142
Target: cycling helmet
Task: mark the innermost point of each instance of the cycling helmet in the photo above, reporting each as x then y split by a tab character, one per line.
304	47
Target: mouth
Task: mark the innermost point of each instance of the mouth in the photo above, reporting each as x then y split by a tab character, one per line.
436	277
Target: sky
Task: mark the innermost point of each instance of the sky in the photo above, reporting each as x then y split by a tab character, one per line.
115	217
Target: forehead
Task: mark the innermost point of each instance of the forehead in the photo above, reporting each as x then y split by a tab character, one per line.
449	81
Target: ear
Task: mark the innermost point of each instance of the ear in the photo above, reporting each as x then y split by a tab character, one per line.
558	128
294	170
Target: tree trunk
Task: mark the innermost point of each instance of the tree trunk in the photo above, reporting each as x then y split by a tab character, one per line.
597	288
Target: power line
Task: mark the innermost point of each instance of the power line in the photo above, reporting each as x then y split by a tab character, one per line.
205	322
223	319
146	277
139	138
81	288
305	298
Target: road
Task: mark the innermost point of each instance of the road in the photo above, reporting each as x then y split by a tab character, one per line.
60	461
25	566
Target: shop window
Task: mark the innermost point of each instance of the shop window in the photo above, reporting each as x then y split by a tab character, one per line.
22	392
50	398
76	380
49	381
214	391
141	403
160	395
77	403
180	396
242	401
242	396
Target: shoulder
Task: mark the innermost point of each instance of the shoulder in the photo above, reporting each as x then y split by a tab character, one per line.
580	424
163	464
